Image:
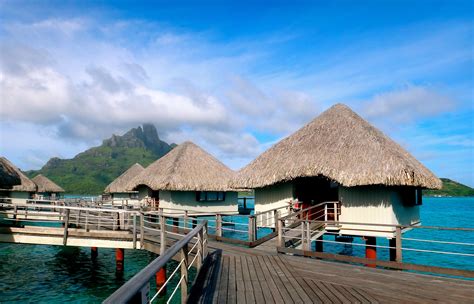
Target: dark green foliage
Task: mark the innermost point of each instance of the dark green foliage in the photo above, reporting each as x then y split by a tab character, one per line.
91	171
450	188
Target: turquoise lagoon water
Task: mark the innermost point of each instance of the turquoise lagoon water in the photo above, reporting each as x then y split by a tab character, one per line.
56	274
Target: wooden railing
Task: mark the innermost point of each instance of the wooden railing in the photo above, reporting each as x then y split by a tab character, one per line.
229	227
137	289
296	236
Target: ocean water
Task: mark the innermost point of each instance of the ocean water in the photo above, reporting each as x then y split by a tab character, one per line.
56	274
444	212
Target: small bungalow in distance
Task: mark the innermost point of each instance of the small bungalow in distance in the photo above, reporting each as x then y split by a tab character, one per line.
117	190
46	188
339	157
18	193
188	178
8	176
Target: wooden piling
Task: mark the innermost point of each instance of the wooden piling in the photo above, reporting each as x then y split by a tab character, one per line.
94	253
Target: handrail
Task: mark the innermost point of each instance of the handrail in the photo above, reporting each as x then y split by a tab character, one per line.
70	208
128	290
304	210
306	231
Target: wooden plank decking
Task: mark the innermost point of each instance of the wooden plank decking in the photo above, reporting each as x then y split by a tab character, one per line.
289	279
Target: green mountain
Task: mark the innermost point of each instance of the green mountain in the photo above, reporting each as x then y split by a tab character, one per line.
91	171
450	188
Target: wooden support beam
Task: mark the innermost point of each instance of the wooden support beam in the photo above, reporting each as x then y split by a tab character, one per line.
66	225
184	274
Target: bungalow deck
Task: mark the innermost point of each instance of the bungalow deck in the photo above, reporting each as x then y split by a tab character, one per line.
270	278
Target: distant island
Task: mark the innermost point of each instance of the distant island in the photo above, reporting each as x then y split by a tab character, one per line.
89	172
450	188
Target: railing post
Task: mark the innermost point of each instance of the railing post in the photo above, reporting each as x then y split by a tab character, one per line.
162	232
280	233
134	231
204	241
326	212
275	218
399	244
308	235
98	220
303	236
200	256
66	224
219	225
121	217
185	220
142	230
15	210
87	220
77	218
184	274
252	230
114	223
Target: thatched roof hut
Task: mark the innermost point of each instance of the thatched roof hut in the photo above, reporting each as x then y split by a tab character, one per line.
8	176
185	168
26	184
45	185
342	146
119	185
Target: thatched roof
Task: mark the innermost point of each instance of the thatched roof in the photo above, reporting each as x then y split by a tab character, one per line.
119	185
8	176
46	185
26	184
185	168
341	146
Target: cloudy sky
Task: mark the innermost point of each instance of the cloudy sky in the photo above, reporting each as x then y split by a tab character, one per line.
235	78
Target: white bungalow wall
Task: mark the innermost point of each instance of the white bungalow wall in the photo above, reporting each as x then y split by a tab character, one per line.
19	197
378	205
125	198
272	197
186	200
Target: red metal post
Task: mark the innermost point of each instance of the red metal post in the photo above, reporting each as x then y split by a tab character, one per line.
119	259
161	279
370	249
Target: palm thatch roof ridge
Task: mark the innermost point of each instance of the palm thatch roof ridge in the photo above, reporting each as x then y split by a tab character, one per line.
8	175
185	168
119	185
44	184
342	146
26	184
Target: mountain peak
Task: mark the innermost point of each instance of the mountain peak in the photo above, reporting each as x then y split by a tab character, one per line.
90	171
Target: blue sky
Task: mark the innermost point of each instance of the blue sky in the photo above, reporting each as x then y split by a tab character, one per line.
235	78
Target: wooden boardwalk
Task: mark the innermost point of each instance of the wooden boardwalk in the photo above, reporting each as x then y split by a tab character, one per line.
289	279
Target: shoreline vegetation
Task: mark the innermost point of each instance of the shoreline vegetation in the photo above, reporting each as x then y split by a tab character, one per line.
450	189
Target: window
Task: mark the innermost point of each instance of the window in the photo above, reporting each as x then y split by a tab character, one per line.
210	196
411	196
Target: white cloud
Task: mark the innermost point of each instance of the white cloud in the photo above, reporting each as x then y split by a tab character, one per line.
407	105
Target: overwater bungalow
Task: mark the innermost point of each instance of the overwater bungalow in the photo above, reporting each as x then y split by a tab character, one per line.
340	158
46	188
117	190
187	178
8	176
18	193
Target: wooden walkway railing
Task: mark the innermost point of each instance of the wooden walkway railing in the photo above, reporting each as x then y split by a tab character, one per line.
306	232
137	289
